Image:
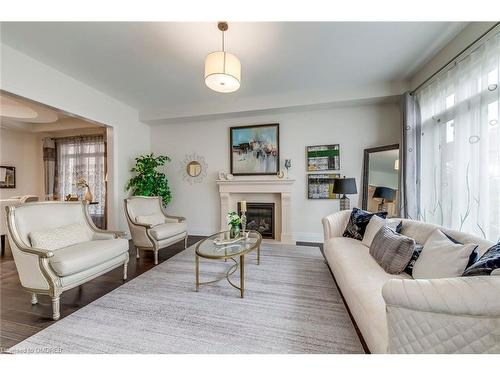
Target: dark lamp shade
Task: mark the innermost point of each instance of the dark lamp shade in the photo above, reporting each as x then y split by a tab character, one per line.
345	186
382	192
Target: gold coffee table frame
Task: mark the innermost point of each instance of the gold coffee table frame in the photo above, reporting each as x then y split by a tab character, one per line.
230	251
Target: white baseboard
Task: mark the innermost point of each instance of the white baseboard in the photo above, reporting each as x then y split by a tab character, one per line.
308	237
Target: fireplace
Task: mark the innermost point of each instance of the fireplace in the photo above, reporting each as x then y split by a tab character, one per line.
260	217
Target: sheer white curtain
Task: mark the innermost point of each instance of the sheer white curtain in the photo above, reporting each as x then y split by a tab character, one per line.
82	157
460	145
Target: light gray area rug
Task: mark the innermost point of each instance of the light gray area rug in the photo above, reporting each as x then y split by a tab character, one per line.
291	305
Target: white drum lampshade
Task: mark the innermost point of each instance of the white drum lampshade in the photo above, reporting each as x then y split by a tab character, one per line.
222	72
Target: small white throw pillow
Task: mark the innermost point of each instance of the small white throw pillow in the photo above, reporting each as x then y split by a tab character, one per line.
372	228
154	219
442	258
60	237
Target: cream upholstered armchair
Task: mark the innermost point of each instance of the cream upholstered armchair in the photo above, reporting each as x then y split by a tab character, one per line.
56	247
151	227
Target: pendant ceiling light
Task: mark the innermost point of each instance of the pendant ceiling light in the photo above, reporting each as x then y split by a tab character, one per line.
222	69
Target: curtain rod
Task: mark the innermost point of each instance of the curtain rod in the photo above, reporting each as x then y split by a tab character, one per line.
77	136
454	61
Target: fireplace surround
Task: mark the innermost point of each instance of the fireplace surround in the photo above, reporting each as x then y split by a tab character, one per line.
263	190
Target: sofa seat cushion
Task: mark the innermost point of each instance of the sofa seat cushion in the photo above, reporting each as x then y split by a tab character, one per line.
361	279
85	255
167	230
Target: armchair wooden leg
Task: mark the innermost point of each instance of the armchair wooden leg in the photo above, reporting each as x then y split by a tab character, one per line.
137	253
55	307
34	299
125	271
3	244
156	257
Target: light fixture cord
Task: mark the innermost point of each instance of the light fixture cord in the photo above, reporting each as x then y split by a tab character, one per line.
223	41
224	49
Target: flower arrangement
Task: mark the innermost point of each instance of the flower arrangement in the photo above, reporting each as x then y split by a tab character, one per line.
82	183
233	219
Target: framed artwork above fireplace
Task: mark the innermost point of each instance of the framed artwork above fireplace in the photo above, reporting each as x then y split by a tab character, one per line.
254	150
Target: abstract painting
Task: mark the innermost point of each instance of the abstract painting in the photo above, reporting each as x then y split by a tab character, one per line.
254	150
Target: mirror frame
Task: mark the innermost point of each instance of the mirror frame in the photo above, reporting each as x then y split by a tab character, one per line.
196	163
366	162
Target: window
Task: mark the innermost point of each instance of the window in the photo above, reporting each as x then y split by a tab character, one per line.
460	145
82	158
450	101
450	131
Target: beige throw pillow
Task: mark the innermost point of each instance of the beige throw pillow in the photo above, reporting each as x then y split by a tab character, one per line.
442	258
60	237
154	219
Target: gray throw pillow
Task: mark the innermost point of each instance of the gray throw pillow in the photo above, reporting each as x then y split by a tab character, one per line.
392	250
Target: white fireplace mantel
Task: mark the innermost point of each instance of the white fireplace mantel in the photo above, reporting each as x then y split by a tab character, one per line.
283	188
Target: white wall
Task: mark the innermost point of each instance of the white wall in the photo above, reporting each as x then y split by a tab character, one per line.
24	76
22	150
354	128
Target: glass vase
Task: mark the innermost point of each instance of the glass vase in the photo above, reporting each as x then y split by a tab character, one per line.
234	231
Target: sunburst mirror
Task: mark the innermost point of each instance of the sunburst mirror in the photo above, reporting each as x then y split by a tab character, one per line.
193	168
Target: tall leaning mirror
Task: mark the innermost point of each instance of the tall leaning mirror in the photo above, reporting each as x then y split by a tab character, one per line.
381	179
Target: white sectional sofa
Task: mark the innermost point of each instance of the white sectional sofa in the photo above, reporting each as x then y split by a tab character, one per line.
397	314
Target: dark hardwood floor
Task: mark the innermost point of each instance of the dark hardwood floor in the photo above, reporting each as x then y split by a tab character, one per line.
20	320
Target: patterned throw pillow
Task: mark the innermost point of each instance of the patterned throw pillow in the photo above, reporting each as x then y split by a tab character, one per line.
489	262
392	250
358	221
416	253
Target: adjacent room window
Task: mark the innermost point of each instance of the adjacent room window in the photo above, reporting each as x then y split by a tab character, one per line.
460	144
83	157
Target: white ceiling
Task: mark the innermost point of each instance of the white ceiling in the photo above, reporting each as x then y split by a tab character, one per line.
24	111
24	115
157	68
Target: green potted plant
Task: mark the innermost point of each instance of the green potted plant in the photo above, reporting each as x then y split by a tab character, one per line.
233	221
148	181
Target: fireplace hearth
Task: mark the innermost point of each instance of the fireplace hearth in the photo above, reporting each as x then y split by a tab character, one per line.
260	217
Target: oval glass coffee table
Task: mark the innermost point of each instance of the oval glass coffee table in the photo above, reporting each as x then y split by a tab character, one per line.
208	249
